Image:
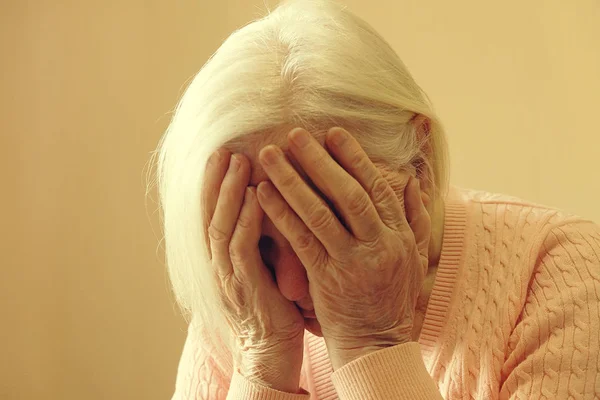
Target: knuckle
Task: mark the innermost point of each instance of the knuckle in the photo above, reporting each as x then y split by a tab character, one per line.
389	255
321	158
216	234
357	202
320	258
280	213
379	189
319	216
236	252
244	222
290	181
356	159
239	251
304	241
383	256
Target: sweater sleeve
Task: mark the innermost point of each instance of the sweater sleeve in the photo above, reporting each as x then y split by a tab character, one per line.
395	373
243	389
199	378
553	352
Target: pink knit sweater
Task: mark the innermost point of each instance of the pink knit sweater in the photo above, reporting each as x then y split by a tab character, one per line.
514	314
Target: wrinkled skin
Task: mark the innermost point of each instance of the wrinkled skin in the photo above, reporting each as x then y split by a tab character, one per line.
365	260
365	274
269	327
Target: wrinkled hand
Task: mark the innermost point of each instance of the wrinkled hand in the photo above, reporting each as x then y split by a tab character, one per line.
268	327
365	272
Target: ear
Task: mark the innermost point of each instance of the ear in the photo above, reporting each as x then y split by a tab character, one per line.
422	124
424	172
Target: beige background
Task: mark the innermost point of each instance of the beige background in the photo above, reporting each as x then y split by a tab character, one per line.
87	88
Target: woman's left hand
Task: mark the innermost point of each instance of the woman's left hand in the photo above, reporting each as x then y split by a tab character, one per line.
365	272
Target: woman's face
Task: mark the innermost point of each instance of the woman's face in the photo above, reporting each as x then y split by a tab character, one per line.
277	254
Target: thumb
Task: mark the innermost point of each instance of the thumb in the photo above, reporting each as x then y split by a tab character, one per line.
418	218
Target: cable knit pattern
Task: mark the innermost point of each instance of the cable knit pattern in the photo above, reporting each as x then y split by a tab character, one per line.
198	376
514	314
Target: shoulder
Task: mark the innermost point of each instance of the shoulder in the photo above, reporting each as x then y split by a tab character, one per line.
540	229
478	198
572	247
501	211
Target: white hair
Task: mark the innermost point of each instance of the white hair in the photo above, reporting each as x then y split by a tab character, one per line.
308	63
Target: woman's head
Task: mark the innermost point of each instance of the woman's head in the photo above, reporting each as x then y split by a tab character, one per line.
310	64
277	253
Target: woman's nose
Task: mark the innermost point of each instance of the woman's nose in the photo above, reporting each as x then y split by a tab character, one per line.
289	271
291	275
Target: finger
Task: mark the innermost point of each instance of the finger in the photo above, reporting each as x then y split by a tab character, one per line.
305	244
347	195
243	248
312	325
417	216
227	211
350	155
216	168
311	209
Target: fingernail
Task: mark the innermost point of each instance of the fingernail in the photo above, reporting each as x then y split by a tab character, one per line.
264	190
249	194
271	155
234	163
215	157
300	137
338	137
414	183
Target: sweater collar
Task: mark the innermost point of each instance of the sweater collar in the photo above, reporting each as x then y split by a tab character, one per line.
453	243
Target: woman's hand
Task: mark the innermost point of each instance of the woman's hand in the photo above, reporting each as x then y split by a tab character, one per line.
365	272
269	328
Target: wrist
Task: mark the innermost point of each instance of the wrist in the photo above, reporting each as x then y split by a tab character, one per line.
281	378
276	370
342	354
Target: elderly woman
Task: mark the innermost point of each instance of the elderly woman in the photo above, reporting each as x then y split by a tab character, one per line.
313	239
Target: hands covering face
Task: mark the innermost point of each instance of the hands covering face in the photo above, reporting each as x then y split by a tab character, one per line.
365	272
365	275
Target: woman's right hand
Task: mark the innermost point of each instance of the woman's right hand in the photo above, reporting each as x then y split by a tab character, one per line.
269	328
